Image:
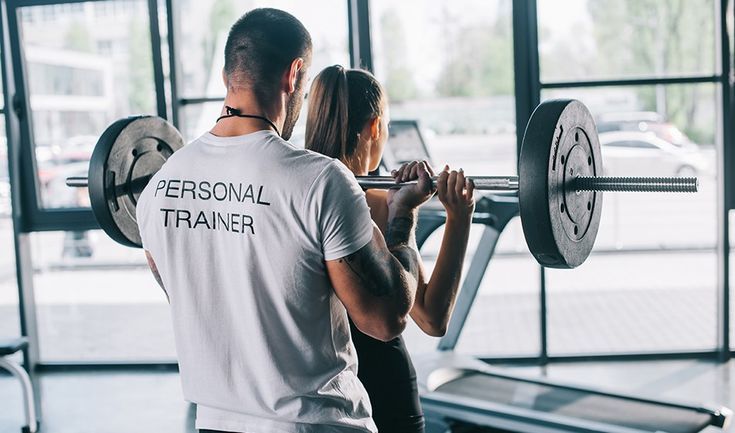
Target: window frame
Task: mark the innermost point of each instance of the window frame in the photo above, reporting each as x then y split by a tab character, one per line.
29	217
33	216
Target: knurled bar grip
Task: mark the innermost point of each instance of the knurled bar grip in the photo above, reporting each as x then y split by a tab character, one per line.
637	184
510	183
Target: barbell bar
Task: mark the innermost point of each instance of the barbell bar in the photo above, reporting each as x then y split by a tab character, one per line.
510	183
559	182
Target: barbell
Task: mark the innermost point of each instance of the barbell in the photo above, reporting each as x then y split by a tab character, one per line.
559	182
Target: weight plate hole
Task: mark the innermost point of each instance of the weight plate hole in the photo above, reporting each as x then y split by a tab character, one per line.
589	160
563	208
576	230
135	152
576	136
589	205
563	160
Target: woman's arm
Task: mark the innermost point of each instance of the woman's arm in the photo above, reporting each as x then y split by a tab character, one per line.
435	300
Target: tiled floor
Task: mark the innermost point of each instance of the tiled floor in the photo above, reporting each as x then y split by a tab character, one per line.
143	402
125	402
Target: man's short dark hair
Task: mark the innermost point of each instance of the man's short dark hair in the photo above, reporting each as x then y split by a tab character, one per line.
260	46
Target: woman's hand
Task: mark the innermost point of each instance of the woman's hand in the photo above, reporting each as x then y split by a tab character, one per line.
412	196
456	193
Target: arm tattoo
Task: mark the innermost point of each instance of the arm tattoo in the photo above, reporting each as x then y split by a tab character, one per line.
373	274
399	231
378	275
401	240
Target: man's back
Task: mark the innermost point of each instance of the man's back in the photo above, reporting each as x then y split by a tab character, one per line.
240	228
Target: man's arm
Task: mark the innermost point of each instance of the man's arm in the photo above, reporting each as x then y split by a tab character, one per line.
154	270
377	284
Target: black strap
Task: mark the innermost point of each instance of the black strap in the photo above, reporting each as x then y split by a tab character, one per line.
234	112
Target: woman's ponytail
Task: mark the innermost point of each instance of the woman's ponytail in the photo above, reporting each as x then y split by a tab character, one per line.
341	102
328	114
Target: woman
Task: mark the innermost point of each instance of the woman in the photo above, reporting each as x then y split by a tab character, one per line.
348	119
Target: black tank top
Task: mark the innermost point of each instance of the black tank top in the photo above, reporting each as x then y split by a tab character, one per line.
386	371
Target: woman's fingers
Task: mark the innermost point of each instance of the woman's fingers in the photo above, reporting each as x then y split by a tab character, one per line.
470	194
441	185
451	182
459	185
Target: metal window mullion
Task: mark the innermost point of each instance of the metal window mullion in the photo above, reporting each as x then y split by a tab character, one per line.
726	163
691	79
527	97
202	100
157	59
360	44
173	21
16	167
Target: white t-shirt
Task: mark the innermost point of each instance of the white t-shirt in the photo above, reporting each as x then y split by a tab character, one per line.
240	228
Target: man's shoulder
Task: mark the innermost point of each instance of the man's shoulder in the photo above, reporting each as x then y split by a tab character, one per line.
307	162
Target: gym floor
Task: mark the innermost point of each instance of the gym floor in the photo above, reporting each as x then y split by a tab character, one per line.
145	402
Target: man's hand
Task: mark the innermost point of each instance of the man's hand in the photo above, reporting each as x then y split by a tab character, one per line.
411	196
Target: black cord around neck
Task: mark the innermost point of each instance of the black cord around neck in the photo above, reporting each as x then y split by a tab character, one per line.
234	112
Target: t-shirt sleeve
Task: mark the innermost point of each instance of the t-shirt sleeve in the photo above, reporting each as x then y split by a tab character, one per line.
341	210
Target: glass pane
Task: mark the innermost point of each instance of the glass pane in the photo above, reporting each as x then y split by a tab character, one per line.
199	118
88	64
650	284
613	39
504	319
449	65
97	300
9	318
201	47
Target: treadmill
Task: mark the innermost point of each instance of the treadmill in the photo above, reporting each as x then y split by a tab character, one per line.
461	394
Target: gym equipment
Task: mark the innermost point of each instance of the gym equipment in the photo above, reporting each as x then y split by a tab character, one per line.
30	411
126	156
559	183
463	394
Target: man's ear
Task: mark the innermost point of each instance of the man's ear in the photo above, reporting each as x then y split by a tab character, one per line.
292	75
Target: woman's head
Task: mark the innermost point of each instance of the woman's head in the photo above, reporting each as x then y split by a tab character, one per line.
347	117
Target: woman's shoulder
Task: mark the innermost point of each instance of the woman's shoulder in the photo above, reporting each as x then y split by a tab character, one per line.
378	196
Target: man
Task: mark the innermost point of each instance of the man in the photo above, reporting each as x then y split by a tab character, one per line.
263	248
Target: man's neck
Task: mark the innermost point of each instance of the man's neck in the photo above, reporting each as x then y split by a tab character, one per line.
246	103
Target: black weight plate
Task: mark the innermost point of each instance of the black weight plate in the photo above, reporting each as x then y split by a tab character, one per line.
560	224
126	156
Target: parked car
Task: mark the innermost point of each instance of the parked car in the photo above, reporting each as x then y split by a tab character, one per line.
644	121
645	154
